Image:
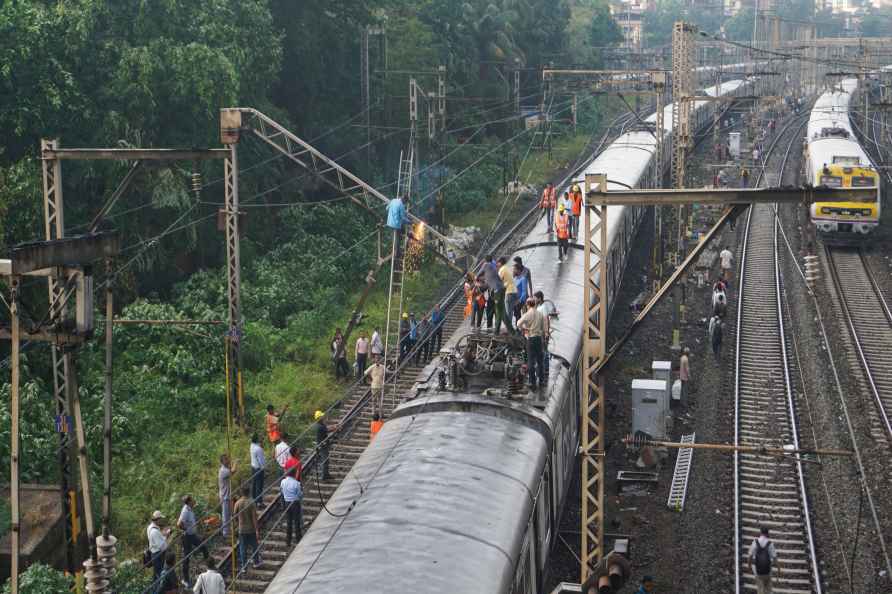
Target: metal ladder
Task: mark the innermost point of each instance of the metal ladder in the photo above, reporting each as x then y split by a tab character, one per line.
397	265
679	488
394	317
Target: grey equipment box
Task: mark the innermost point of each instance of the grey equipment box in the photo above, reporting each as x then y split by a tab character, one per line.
649	406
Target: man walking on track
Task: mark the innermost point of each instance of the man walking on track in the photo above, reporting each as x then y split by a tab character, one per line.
684	372
548	204
762	556
727	261
715	336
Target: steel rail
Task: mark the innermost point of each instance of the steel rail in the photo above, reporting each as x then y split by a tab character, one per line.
806	511
849	319
746	418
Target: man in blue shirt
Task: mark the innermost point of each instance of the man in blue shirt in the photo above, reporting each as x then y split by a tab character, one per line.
292	493
412	339
396	214
437	329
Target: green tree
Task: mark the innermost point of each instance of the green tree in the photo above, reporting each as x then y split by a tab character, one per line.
740	26
41	579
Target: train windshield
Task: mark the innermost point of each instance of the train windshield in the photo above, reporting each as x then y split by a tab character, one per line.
831	181
862	181
849	161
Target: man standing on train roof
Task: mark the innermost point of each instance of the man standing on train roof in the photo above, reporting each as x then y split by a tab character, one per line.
562	226
576	212
548	204
566	203
510	296
491	276
518	261
396	214
534	323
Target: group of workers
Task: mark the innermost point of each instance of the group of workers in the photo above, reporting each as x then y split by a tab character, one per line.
240	513
569	210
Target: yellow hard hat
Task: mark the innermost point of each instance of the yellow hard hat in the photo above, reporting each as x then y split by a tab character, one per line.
318	415
561	208
575	188
405	316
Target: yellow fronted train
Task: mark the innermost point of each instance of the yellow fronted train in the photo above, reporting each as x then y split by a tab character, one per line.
834	158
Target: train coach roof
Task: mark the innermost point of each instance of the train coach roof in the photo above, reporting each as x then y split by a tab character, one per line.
447	493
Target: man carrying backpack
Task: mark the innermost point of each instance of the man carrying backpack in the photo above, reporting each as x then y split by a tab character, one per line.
760	559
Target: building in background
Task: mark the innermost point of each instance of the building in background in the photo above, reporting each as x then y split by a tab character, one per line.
629	15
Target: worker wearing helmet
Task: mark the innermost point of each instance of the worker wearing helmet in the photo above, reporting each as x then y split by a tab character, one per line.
404	335
322	445
576	211
562	226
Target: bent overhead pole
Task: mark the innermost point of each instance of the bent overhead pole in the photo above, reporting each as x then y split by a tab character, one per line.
302	153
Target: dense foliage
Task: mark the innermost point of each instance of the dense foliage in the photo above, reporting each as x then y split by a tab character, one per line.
41	579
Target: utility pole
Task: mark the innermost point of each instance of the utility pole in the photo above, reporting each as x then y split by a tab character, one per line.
441	96
516	91
15	542
366	87
682	91
592	403
54	228
230	125
68	260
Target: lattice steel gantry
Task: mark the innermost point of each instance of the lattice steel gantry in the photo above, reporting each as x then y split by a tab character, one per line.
682	86
591	405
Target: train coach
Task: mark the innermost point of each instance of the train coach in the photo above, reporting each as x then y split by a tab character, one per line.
835	158
463	487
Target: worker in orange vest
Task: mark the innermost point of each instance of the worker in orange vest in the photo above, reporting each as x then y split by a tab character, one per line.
576	199
562	225
548	204
375	426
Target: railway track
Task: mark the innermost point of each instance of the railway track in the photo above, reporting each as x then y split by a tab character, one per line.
866	316
769	492
353	419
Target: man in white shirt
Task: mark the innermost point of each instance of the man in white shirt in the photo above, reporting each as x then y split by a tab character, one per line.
547	309
534	324
282	452
224	476
376	372
362	354
727	259
157	535
210	582
377	344
258	463
292	493
191	540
